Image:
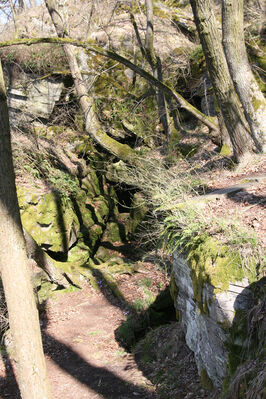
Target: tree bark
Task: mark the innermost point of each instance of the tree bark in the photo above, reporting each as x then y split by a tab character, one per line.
23	315
227	98
13	14
250	95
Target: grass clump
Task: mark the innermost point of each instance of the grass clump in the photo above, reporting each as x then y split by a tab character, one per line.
217	248
146	282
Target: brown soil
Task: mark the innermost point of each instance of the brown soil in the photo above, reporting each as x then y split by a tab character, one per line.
247	205
84	358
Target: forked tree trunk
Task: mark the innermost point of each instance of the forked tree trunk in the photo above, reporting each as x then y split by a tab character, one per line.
227	98
92	124
23	315
250	95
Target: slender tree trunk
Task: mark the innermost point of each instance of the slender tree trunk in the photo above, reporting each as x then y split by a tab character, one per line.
149	48
227	98
13	14
155	64
92	124
251	97
22	5
23	315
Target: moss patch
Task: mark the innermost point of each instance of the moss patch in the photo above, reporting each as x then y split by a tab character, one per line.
216	264
48	220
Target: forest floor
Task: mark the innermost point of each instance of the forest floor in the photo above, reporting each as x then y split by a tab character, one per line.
84	357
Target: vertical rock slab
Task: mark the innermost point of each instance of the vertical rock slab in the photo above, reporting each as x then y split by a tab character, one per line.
206	314
32	99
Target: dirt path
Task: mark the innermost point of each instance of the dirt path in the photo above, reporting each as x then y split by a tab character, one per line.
85	360
83	357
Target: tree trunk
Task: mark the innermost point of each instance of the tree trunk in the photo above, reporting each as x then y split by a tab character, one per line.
155	64
92	124
23	315
35	252
22	5
13	14
228	101
252	99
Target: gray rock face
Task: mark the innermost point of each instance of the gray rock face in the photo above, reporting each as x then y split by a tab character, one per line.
32	100
203	330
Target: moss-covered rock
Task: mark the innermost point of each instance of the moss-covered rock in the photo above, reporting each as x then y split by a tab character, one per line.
48	219
90	184
216	264
138	212
212	286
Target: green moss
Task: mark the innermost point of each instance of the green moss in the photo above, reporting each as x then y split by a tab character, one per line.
197	62
122	151
91	184
114	232
101	209
257	103
225	150
138	212
110	281
49	221
215	264
44	291
174	140
262	62
205	380
126	332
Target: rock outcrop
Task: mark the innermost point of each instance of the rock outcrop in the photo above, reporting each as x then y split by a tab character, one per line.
207	307
32	99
